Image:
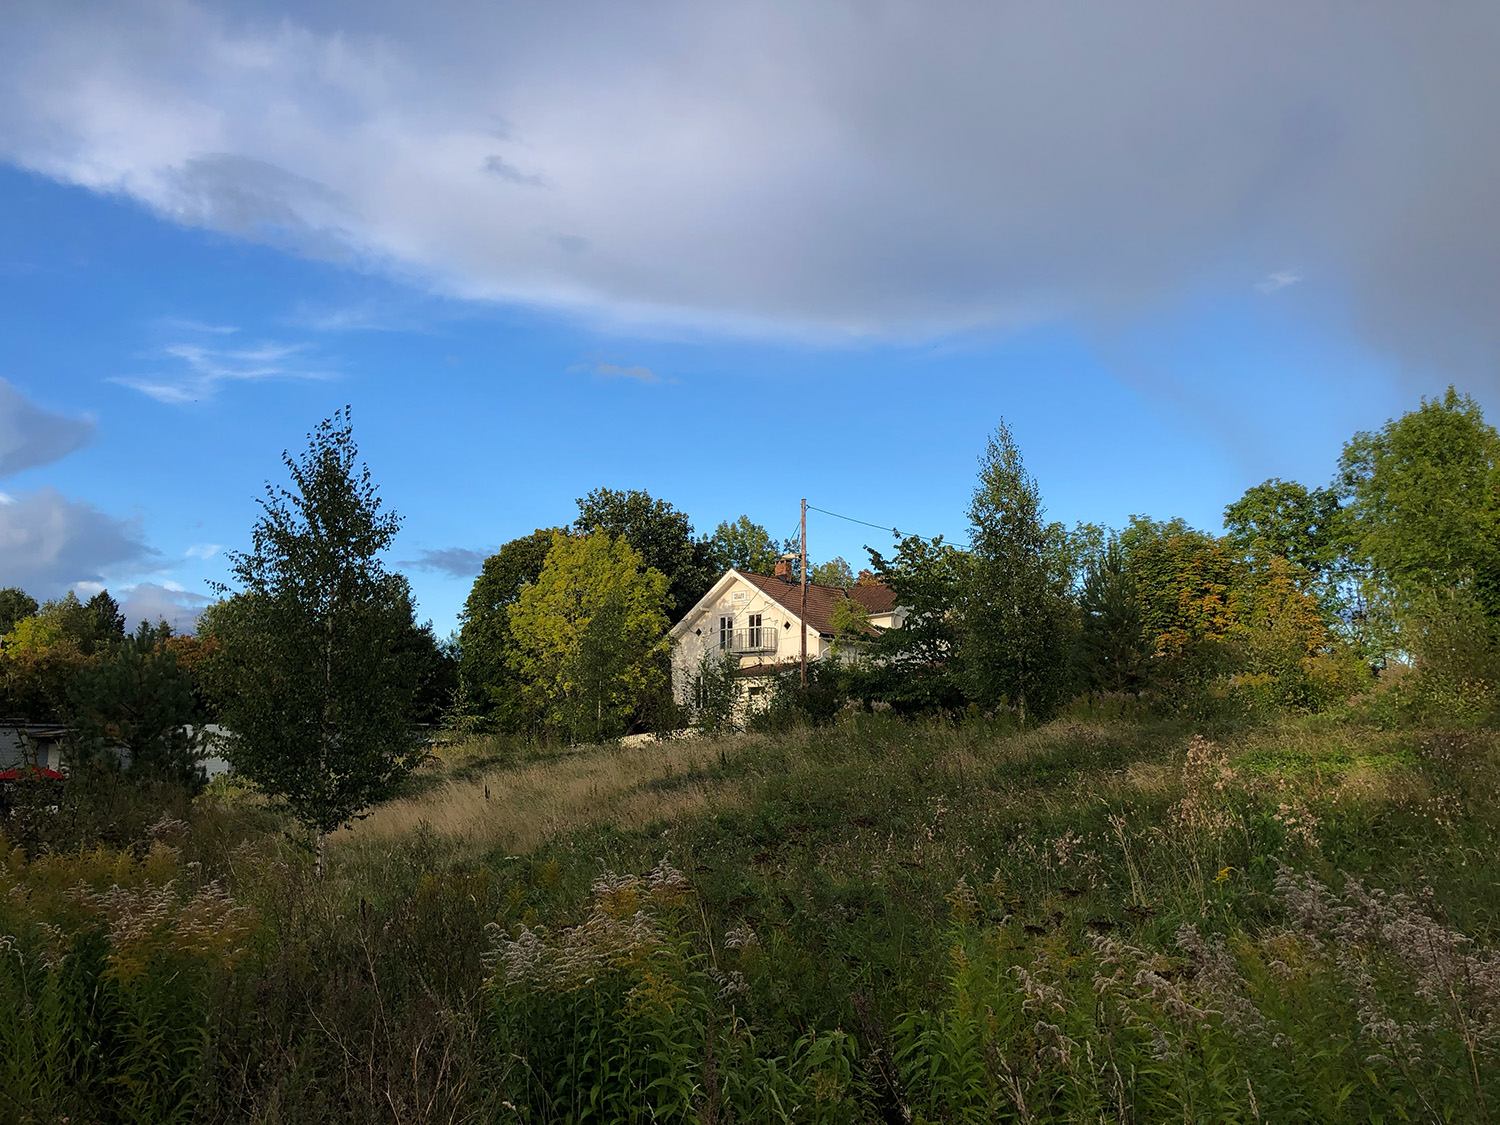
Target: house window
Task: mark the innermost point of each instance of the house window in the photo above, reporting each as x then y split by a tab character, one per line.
726	633
752	636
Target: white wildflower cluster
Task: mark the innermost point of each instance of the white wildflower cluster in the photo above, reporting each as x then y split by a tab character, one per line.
1070	853
1300	824
621	930
1206	774
741	937
148	915
1217	977
168	829
732	984
579	954
1041	994
1142	983
1371	933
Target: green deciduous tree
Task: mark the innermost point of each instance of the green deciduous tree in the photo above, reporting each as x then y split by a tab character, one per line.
590	636
661	535
317	689
745	546
1284	519
834	572
1016	613
489	684
91	626
1420	495
15	605
1189	582
915	667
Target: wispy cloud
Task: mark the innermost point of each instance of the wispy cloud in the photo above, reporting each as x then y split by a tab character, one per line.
498	167
205	369
456	562
178	324
1047	161
202	550
1279	280
617	371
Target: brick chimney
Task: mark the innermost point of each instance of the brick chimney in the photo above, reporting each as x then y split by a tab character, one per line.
784	569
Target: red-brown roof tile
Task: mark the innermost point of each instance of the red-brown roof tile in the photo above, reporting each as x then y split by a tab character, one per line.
821	600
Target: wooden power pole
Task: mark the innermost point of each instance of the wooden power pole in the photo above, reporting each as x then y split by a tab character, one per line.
804	593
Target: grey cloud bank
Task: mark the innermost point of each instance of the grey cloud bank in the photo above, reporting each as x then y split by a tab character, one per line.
31	437
831	170
456	562
49	543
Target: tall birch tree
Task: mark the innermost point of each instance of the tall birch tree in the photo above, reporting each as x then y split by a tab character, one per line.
317	683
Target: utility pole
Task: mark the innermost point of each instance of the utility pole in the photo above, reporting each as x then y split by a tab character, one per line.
804	593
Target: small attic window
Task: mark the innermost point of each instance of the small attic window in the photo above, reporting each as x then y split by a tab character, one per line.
786	624
697	632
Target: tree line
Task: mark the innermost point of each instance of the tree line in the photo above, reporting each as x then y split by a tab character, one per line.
1308	594
315	661
565	630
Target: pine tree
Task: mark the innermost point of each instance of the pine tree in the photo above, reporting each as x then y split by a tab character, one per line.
1113	642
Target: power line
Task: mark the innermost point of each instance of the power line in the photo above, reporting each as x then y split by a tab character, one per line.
867	523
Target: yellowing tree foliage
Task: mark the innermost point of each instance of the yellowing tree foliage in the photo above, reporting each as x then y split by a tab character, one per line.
590	636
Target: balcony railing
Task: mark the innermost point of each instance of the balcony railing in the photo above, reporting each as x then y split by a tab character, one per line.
762	639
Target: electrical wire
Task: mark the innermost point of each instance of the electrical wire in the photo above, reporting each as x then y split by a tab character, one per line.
867	523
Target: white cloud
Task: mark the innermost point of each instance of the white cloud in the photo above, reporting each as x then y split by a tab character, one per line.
166	601
49	543
206	369
31	437
181	325
202	550
1279	280
840	168
618	371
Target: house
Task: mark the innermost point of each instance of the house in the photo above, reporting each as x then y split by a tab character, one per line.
756	620
25	743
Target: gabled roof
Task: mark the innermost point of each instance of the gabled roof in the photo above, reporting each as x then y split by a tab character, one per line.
821	600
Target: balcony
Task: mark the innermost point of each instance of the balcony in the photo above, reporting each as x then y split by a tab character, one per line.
741	641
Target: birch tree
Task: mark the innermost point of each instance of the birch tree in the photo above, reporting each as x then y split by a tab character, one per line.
1016	616
317	684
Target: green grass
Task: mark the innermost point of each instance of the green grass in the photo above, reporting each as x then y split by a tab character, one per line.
951	923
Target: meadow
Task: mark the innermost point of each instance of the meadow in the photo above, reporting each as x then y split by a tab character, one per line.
1109	918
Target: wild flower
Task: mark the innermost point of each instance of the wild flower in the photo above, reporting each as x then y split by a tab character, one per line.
1373	934
1040	993
1217	977
1206	774
168	829
1300	824
622	929
741	937
731	984
963	902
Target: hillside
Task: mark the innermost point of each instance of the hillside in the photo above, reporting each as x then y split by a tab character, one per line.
1095	920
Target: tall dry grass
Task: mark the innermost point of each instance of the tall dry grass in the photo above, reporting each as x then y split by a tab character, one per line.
515	808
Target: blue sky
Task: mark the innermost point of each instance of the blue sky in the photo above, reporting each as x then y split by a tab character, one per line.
730	260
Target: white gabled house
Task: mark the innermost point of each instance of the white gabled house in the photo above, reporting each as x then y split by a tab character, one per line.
756	621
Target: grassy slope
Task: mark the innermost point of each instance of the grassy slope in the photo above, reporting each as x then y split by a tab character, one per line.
897	875
841	847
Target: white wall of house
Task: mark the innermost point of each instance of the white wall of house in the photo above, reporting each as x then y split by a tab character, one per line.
739	602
